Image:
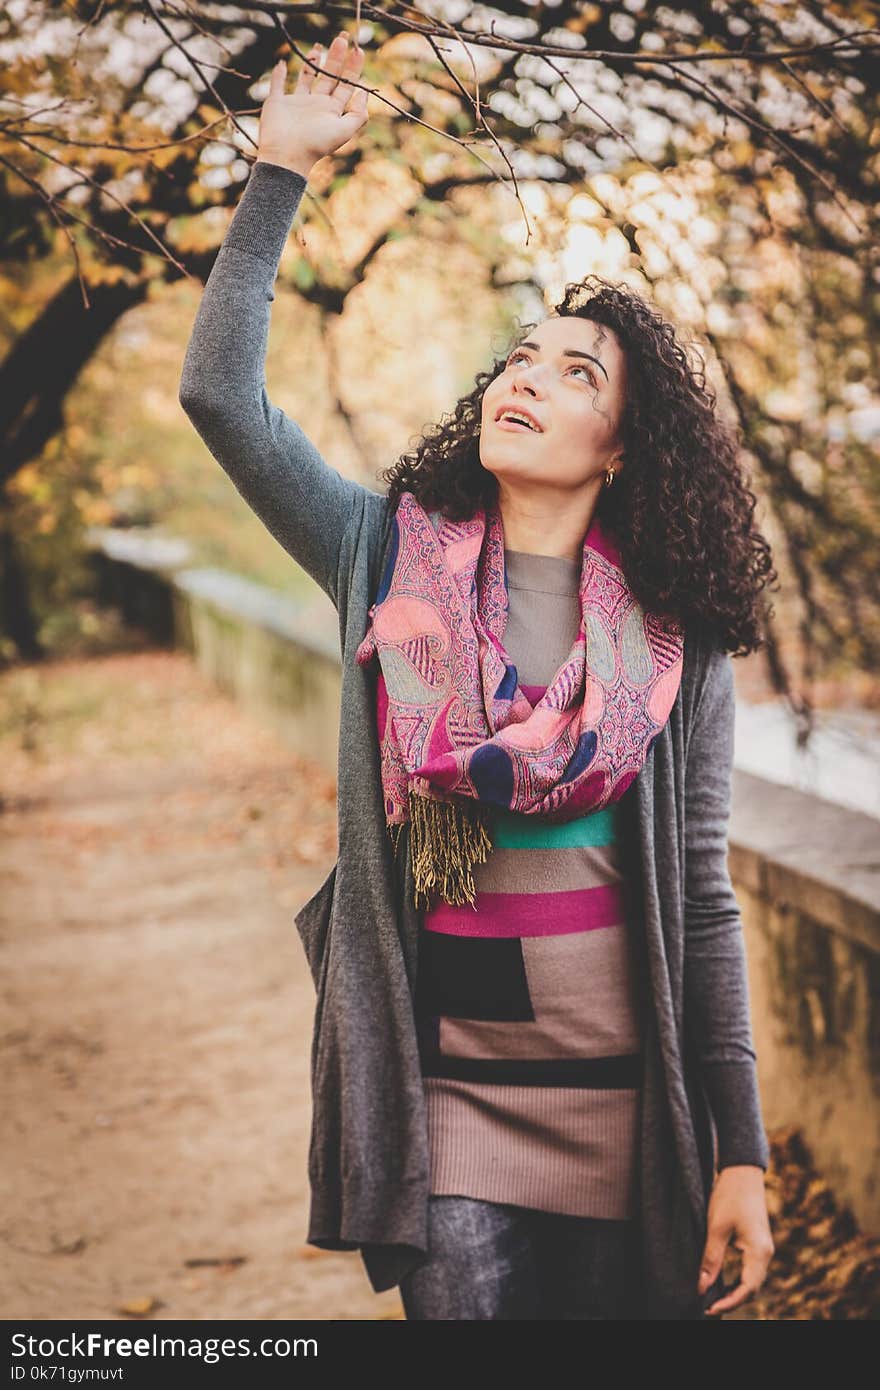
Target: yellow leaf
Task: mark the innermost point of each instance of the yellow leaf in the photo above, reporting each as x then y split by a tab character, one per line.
138	1307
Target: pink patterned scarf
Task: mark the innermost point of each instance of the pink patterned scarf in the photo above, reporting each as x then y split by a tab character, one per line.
458	737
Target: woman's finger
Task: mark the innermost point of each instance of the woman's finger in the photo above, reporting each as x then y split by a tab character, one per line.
734	1298
277	78
335	61
754	1270
353	65
307	73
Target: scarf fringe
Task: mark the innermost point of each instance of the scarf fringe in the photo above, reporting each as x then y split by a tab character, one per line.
447	839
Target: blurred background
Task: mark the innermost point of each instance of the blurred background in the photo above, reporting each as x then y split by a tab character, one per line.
169	676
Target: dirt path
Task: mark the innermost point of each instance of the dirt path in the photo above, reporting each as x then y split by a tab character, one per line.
157	1006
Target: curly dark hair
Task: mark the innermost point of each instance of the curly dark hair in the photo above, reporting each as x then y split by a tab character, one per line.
681	510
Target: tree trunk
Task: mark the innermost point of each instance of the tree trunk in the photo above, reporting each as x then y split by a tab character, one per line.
16	614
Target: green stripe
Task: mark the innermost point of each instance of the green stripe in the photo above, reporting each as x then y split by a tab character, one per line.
514	830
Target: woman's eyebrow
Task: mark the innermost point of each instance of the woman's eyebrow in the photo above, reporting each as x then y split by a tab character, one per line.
568	352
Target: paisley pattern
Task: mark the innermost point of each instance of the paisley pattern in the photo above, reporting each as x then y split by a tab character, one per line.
453	720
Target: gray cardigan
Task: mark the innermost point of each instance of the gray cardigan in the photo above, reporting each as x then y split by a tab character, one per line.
368	1157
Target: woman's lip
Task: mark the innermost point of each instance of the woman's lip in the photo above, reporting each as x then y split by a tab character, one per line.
512	425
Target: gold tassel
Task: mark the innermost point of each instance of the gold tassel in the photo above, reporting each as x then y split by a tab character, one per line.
447	839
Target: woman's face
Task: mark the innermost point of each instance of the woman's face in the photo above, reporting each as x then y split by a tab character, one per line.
570	375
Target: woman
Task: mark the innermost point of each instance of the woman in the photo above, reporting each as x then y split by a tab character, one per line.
533	1078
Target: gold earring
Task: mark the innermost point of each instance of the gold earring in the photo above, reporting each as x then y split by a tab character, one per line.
609	476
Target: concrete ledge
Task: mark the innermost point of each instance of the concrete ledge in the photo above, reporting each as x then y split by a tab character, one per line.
811	855
279	656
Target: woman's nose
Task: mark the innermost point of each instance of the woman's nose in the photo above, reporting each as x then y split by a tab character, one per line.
532	379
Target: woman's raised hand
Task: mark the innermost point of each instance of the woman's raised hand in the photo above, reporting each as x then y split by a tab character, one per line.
323	111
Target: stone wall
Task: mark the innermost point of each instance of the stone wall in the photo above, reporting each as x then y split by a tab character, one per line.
807	878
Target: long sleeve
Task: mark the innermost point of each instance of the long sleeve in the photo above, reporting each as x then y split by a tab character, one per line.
717	1007
303	502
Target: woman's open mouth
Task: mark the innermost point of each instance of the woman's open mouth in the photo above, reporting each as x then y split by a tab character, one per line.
506	424
512	417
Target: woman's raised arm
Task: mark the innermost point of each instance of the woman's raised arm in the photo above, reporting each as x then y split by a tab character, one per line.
306	504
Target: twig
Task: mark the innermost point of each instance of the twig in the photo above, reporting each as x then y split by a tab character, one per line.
49	199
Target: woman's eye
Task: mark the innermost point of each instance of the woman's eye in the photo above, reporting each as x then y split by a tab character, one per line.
580	367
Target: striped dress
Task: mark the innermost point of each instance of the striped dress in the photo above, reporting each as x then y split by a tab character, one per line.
529	1008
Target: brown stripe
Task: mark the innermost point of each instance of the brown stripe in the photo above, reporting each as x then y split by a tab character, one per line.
515	870
555	1150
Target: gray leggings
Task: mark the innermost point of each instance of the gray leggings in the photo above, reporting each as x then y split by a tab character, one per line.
495	1260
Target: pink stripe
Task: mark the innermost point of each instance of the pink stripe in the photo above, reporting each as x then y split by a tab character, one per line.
530	914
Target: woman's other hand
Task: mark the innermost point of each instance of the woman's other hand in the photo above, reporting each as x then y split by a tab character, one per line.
737	1212
323	112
